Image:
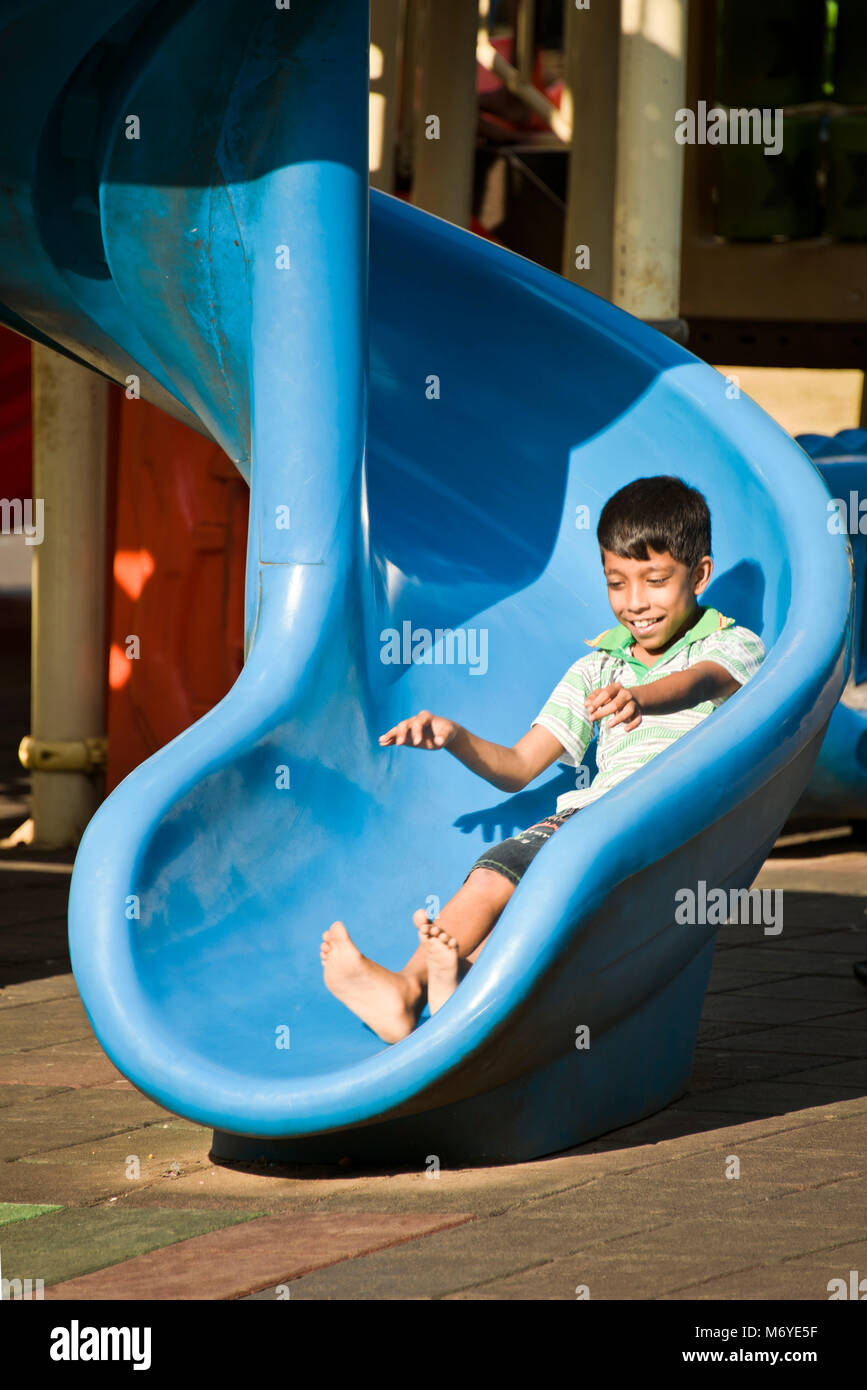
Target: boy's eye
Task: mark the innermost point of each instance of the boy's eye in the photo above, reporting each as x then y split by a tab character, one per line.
618	583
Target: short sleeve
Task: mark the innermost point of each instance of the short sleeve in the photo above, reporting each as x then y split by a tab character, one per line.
564	715
736	649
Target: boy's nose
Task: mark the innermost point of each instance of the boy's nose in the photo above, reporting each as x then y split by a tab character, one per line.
638	604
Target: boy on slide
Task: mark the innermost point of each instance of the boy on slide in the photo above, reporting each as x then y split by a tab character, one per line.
667	665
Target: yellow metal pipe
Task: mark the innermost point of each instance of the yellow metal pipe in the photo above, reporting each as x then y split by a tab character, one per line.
70	412
63	755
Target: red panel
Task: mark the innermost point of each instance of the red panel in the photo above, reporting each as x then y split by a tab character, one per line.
15	430
177	585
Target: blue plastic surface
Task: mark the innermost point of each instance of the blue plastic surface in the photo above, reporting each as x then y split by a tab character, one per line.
434	457
838	787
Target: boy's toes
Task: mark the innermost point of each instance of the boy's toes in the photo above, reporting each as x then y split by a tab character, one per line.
420	919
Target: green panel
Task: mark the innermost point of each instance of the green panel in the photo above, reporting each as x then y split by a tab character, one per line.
762	196
850	53
770	52
846	214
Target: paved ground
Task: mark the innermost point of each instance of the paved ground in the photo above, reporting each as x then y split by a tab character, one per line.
104	1195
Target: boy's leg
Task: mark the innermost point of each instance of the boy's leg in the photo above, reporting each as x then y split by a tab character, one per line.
390	1001
457	934
451	944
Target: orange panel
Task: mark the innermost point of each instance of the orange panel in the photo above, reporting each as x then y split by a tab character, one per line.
177	593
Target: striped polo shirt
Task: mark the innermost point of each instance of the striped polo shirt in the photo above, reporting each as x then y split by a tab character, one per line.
711	638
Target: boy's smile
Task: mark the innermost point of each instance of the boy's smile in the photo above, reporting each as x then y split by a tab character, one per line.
654	598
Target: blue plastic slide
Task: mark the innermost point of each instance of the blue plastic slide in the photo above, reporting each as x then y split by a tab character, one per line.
186	200
838	787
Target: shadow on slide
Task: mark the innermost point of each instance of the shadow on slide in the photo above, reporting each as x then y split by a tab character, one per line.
429	432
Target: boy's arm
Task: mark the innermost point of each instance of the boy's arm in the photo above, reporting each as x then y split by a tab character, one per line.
508	769
681	690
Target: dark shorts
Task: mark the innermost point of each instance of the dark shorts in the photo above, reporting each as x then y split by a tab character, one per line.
511	857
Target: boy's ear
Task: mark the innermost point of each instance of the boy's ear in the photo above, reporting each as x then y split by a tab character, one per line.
701	574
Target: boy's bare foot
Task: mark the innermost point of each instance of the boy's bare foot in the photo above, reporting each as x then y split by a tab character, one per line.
441	958
386	1001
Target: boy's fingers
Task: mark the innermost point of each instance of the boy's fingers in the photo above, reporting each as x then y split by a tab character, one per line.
627	711
418	733
616	701
602	696
610	707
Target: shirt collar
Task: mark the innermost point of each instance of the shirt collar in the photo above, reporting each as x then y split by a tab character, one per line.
619	638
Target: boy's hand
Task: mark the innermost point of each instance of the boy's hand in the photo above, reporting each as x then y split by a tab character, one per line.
424	730
617	700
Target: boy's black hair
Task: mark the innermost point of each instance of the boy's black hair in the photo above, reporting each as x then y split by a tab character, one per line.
662	513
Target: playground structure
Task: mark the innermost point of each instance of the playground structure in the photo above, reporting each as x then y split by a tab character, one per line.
222	261
838	786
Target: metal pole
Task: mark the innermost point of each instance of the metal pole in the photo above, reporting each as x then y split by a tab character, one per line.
649	193
386	28
445	122
70	409
408	80
525	39
591	42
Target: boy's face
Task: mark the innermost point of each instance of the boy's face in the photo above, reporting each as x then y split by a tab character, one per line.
656	597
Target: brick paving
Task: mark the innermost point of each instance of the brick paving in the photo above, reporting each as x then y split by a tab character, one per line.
779	1084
